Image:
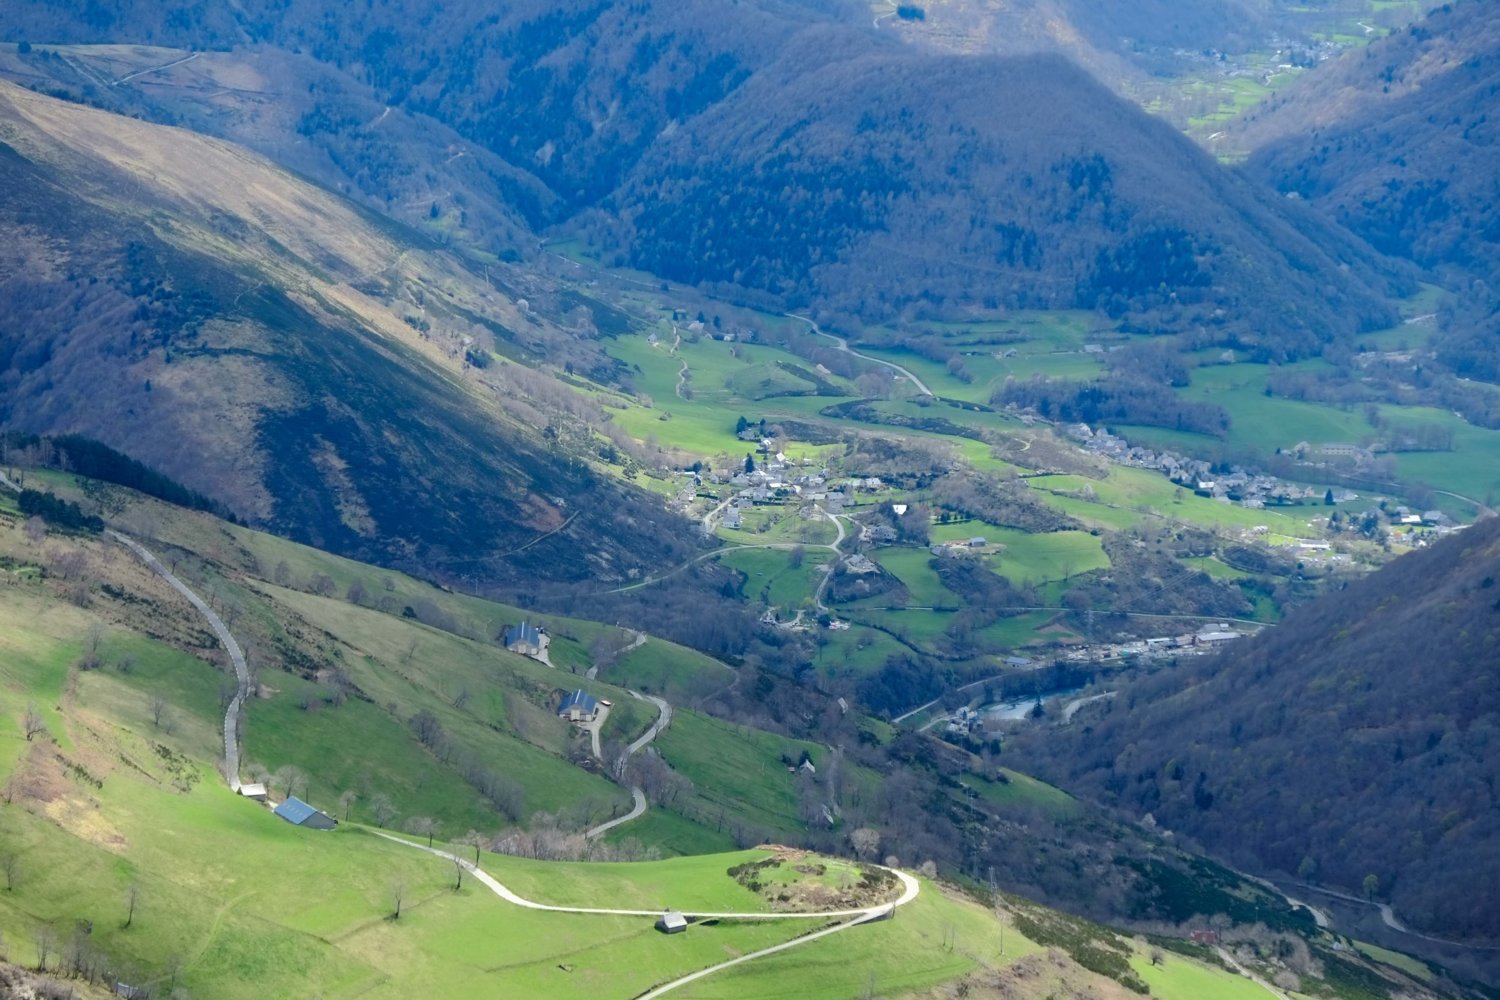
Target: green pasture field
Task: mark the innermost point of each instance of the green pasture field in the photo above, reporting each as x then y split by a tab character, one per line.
920	628
1015	631
1179	978
1020	791
700	883
672	834
1030	558
737	770
856	651
500	724
674	672
911	567
1216	569
724	386
935	938
770	574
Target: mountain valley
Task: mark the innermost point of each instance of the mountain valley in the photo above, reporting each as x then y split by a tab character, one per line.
1009	488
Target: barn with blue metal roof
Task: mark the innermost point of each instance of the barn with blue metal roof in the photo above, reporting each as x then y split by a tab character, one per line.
299	813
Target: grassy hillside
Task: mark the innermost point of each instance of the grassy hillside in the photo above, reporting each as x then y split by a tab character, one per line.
220	284
115	819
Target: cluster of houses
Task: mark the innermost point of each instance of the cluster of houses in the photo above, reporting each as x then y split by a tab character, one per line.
1245	487
969	546
774	483
1189	643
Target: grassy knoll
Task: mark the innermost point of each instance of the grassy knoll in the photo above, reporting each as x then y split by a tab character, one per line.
674	672
737	771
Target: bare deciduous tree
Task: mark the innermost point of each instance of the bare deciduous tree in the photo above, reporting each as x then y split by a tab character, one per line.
35	529
290	778
132	899
473	839
346	801
10	863
158	710
383	809
458	871
32	723
397	890
423	826
46	941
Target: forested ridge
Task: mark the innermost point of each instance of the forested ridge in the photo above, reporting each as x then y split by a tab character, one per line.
1400	143
1352	746
785	154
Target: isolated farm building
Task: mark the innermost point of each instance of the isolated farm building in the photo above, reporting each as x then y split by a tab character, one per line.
524	639
977	542
299	813
255	790
671	922
578	707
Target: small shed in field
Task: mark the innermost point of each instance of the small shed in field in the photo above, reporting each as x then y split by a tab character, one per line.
299	813
254	790
671	922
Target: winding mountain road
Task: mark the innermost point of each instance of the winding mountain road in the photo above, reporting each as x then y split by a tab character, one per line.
638	794
850	918
844	346
236	655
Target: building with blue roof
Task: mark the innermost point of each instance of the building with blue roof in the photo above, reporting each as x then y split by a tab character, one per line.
524	639
579	707
299	813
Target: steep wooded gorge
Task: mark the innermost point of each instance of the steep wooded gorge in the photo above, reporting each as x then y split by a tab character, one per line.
1399	143
1355	739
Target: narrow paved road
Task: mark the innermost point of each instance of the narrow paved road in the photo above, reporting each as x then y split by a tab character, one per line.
1073	706
1389	918
236	656
848	918
911	888
844	346
156	69
637	794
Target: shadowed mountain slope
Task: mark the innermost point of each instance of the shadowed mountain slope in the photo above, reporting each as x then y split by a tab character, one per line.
1352	745
304	363
779	151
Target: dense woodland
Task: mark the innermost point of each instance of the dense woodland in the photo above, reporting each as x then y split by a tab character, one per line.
1410	161
781	153
1351	746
